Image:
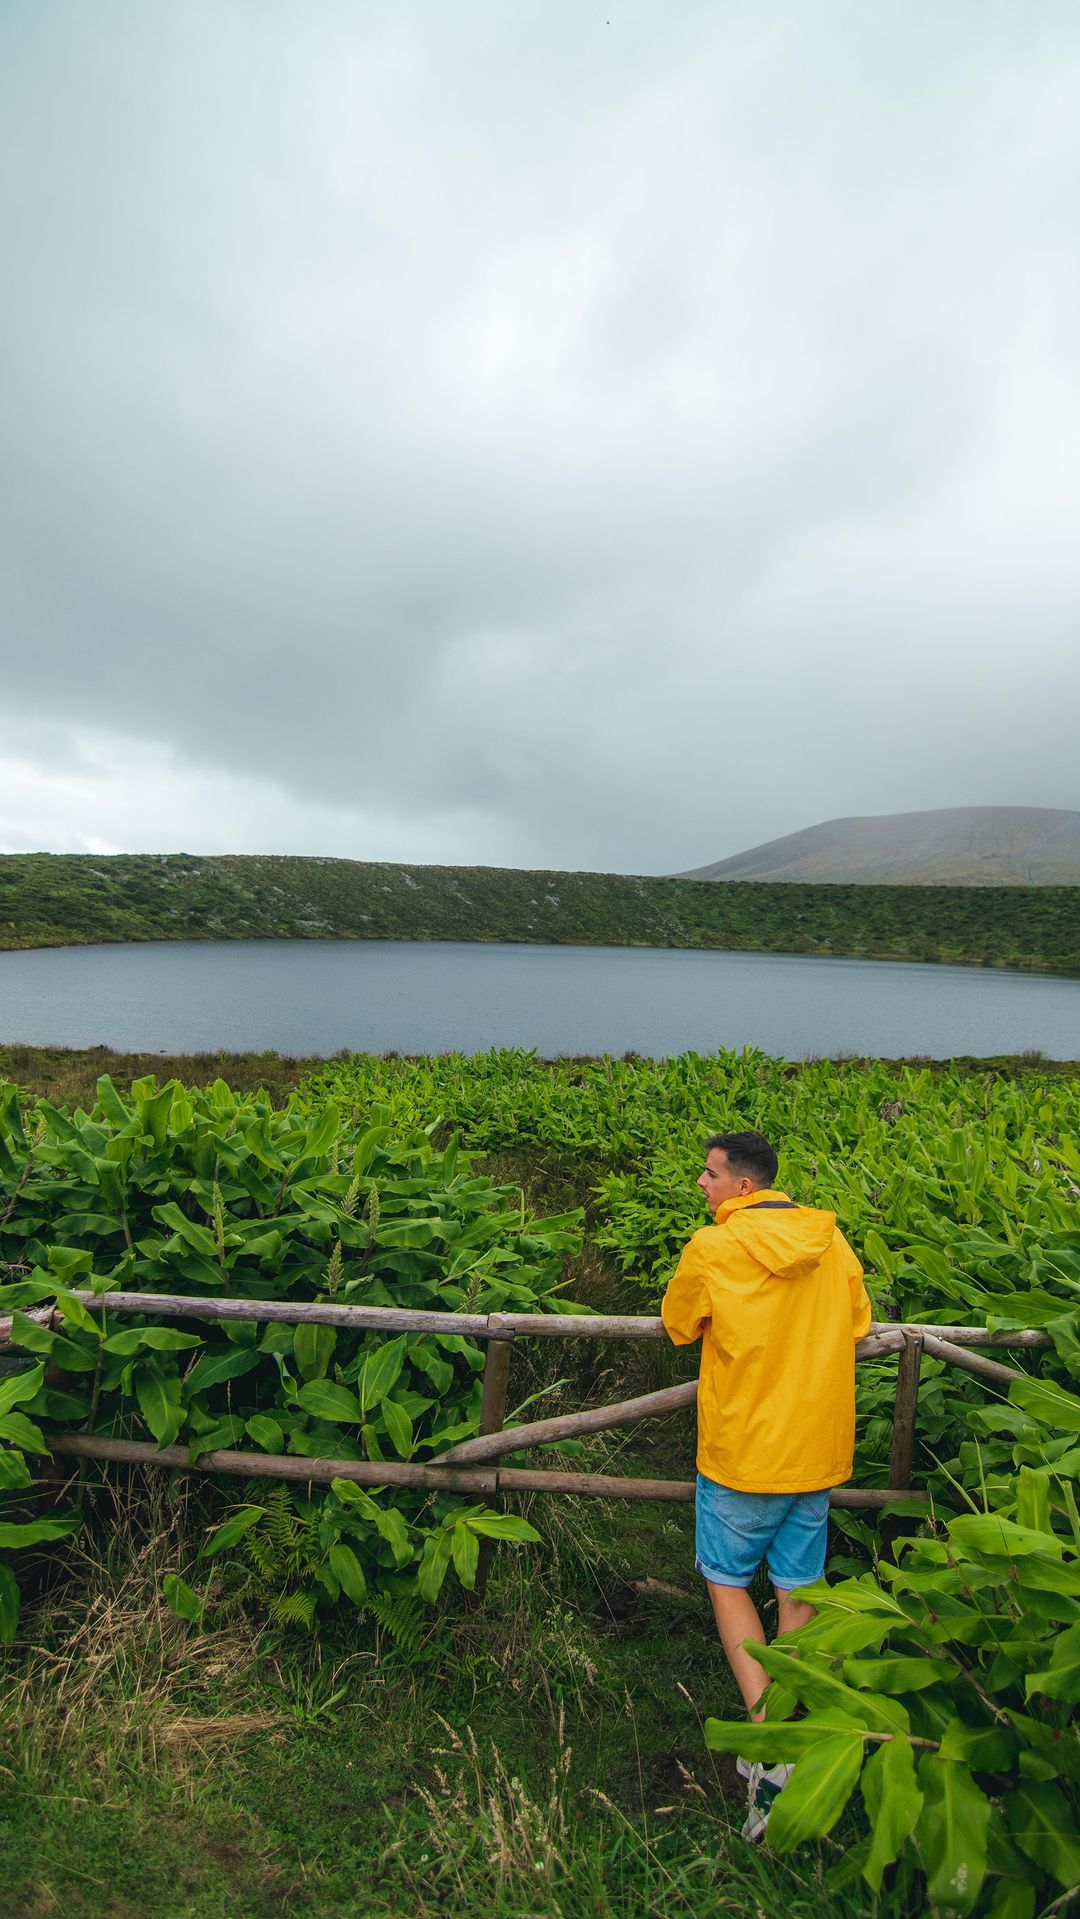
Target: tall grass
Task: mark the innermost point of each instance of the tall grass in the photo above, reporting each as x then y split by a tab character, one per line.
539	1755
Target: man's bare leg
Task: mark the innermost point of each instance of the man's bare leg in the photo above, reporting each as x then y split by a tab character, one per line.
793	1612
737	1619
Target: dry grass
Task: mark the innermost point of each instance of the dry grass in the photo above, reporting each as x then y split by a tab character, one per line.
477	1806
69	1075
117	1682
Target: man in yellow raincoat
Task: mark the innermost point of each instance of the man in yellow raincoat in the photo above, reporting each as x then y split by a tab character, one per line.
776	1296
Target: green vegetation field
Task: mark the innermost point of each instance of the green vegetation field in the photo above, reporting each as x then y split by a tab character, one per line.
226	1700
51	899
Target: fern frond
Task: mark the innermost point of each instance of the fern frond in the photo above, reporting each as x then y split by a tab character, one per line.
293	1609
401	1619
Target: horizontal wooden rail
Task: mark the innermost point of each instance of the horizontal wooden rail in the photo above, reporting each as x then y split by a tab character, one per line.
969	1362
885	1336
493	1481
599	1419
470	1467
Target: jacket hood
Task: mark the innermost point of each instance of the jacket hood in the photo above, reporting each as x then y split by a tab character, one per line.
788	1241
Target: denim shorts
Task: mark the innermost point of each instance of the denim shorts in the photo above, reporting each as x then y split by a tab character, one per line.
736	1531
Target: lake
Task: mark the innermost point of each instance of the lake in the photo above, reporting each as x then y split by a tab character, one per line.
318	997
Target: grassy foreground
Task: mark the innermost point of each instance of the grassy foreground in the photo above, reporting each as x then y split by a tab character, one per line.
69	899
541	1754
538	1754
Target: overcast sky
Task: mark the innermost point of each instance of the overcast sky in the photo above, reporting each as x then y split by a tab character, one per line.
587	435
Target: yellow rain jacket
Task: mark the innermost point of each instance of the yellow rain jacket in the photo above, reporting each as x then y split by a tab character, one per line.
775	1294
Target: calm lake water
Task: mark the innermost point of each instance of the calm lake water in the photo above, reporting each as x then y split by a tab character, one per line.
369	996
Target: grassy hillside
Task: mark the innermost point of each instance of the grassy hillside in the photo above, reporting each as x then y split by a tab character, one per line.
69	899
948	846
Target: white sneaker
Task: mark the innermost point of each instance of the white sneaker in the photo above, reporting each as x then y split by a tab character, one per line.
764	1783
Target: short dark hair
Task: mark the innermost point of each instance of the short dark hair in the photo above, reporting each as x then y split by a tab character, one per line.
748	1154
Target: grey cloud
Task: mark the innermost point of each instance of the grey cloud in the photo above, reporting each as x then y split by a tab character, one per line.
593	439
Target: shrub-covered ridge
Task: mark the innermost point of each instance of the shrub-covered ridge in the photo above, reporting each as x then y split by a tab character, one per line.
51	899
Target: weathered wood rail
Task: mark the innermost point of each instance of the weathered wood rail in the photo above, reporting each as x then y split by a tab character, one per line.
472	1466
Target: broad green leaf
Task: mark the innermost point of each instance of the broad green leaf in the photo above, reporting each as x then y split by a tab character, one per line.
897	1675
213	1368
503	1526
72	1310
378	1372
404	1233
180	1598
816	1794
14	1472
390	1524
813	1683
351	1494
986	1748
63	1353
466	1550
321	1133
893	1803
434	1561
1043	1824
348	1572
1013	1899
425	1356
199	1238
22	1432
313	1349
1033	1499
222	1098
156	1339
325	1399
367	1145
154	1113
1037	1575
18	1388
68	1357
841	1633
30	1532
1045	1401
1061	1679
221	1436
157	1388
266	1432
951	1832
399	1426
782	1740
30	1334
854	1596
991	1533
1048	1742
9	1605
111	1102
232	1529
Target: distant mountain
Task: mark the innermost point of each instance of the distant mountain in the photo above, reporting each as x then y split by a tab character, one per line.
952	846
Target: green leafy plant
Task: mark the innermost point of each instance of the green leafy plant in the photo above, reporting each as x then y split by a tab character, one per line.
943	1690
169	1191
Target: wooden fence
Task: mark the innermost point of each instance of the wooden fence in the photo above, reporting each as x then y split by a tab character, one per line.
473	1466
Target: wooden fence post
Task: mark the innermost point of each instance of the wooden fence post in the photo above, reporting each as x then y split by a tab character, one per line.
907	1399
492	1414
